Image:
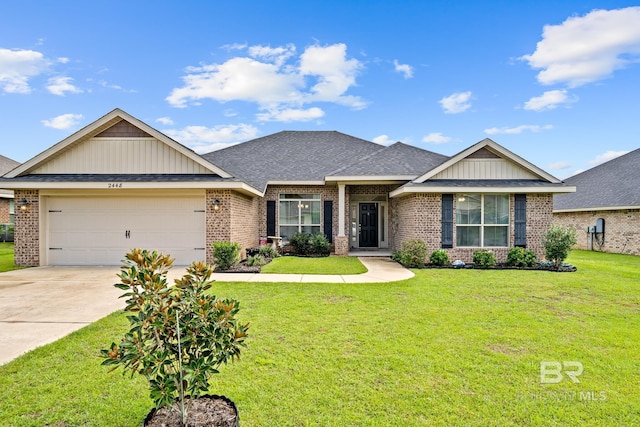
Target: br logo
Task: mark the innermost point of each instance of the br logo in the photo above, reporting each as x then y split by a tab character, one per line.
552	372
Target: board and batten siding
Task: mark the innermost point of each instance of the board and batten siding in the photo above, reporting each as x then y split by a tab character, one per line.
484	169
121	156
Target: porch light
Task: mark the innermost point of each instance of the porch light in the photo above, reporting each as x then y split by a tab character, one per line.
216	205
24	204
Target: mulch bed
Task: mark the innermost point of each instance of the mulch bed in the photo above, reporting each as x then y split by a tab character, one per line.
504	267
242	267
205	411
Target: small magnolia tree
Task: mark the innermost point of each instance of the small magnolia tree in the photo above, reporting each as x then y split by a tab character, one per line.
558	242
180	335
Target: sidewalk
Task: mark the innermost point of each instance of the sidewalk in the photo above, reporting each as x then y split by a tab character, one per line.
378	270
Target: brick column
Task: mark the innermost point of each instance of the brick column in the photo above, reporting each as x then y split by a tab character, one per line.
27	228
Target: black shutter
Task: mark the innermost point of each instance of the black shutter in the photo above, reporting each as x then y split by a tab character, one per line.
520	229
328	219
271	218
447	220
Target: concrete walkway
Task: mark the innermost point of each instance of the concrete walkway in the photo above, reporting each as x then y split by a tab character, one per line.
379	269
43	304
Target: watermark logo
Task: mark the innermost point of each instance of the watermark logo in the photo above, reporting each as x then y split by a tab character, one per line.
552	372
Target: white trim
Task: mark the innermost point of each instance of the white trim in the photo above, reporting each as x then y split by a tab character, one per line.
495	147
341	210
602	208
446	189
291	183
116	185
368	178
95	126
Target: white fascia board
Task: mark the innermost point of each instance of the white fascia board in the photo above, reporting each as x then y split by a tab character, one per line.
597	209
6	196
347	179
402	191
295	183
92	127
117	185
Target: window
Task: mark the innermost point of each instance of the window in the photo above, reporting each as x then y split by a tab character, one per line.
482	220
299	212
12	212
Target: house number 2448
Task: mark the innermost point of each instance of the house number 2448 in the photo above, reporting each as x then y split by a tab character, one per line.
114	185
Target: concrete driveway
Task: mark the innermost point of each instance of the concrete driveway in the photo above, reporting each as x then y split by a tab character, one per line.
40	305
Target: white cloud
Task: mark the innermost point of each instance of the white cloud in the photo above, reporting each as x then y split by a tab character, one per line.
17	67
605	157
548	100
517	129
456	103
62	60
559	165
270	78
437	138
203	139
64	121
61	85
384	140
405	69
587	48
291	115
165	121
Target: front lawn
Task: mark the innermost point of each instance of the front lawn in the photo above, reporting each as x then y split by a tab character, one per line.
322	265
6	257
445	348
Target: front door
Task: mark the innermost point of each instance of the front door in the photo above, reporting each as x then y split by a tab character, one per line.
368	235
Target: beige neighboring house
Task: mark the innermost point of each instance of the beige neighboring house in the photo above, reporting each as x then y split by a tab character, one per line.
118	183
7	204
610	192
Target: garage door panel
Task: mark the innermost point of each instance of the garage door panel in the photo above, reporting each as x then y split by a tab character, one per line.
100	231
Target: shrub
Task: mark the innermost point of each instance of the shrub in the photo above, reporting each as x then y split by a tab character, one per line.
180	335
256	260
226	254
413	253
300	243
557	243
396	255
483	258
319	244
268	251
309	244
439	257
521	257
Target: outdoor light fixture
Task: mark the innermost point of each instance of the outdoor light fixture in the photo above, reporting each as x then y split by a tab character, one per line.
24	204
216	205
461	199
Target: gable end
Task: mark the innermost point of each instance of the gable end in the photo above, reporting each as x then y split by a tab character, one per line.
123	129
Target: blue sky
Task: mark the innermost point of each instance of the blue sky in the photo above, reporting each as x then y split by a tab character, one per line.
557	82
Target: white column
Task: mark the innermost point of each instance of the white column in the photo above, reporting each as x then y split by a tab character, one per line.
341	210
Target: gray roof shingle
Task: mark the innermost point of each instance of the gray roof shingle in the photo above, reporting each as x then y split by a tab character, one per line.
291	156
7	164
611	184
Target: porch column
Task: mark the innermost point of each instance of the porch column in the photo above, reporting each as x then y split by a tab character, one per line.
341	210
341	241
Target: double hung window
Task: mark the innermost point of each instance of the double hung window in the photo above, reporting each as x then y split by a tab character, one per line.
482	220
299	213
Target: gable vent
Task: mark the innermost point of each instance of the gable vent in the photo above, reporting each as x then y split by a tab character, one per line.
123	129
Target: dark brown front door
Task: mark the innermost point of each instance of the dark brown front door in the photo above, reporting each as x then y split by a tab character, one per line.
368	225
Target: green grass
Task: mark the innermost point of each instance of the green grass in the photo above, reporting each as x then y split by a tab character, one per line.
6	257
323	265
445	348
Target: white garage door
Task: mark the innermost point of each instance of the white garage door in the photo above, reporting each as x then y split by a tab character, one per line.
100	230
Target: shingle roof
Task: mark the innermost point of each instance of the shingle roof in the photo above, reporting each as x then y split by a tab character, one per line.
119	178
291	156
611	184
394	160
6	164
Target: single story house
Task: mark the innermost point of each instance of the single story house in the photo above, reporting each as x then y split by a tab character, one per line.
6	196
118	183
611	192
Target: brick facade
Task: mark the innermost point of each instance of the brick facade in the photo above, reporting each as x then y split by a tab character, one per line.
236	220
4	211
622	229
27	229
419	217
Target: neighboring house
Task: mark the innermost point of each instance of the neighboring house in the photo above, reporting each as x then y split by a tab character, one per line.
118	183
610	191
6	196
